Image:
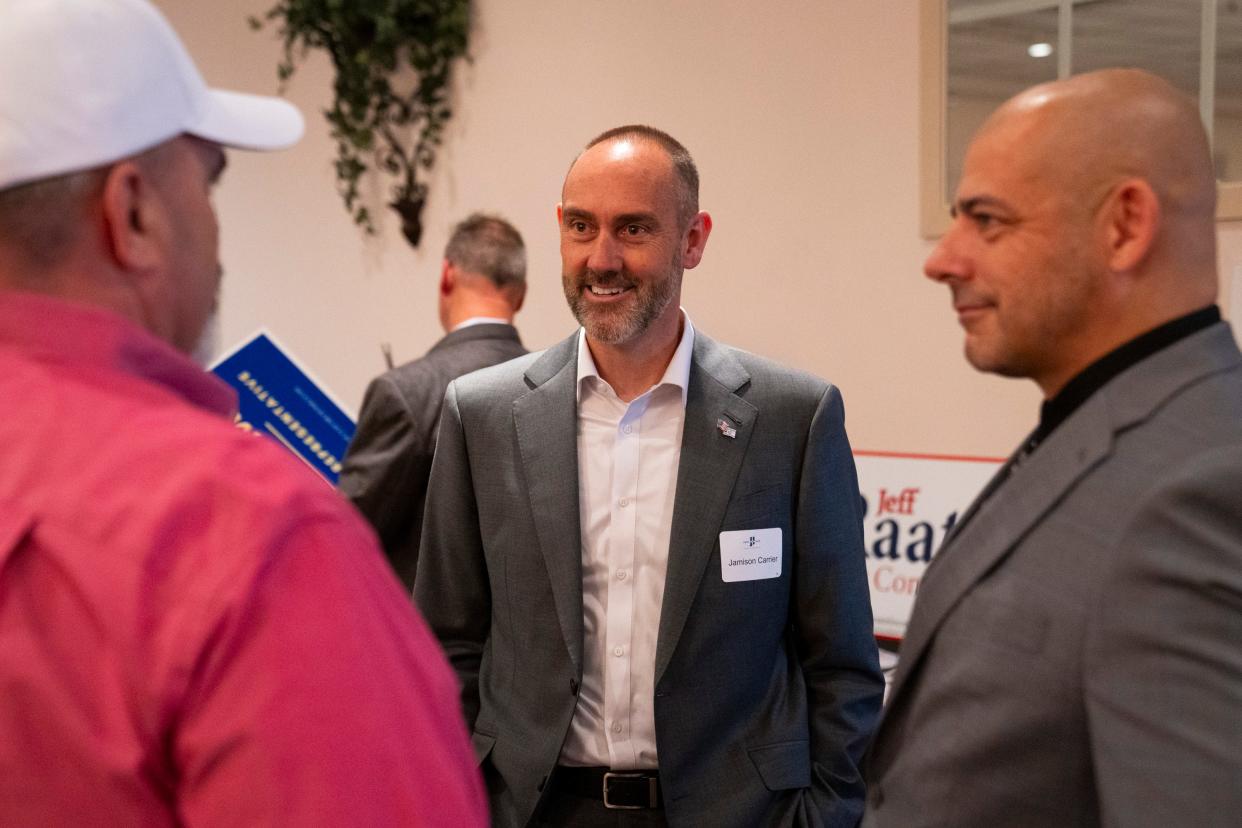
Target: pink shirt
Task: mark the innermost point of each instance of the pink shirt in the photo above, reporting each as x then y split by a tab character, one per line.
193	628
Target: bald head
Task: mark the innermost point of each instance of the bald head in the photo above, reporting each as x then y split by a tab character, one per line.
1090	134
686	179
1091	131
1085	217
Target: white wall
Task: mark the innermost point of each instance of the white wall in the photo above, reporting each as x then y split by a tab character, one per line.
803	118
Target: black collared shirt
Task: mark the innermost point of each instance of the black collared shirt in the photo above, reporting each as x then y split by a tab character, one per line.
1092	378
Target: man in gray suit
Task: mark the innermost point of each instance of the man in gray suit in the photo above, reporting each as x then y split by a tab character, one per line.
643	550
1075	653
482	285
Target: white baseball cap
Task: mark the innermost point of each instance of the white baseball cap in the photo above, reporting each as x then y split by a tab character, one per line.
84	83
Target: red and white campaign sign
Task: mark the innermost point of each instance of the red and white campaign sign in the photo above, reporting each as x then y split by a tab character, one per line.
911	501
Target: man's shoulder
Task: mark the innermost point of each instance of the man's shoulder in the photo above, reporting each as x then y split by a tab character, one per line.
237	504
1202	416
517	376
457	353
215	456
414	372
498	380
764	377
144	464
201	451
1190	391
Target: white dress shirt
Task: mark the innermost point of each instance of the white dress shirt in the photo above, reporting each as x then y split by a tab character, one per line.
480	320
628	454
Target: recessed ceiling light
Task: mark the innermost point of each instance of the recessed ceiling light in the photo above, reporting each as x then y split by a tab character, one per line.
1039	50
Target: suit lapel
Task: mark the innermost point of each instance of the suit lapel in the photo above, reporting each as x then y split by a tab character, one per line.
1034	485
546	424
710	462
1002	474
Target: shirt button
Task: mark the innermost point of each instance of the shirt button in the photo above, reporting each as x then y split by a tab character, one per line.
623	502
621	575
627	429
618	651
616	727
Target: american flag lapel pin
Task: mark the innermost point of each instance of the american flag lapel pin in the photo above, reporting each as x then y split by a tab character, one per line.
726	429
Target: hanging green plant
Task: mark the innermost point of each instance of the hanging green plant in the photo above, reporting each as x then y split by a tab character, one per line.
373	43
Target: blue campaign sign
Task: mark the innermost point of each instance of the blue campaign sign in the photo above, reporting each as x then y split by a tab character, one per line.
276	397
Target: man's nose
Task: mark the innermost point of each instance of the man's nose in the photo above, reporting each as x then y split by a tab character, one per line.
605	253
946	262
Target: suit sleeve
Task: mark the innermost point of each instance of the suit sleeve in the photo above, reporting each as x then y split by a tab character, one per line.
833	627
1164	664
451	586
384	460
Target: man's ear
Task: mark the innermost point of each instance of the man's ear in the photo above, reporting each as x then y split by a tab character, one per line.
1131	219
695	239
132	217
448	278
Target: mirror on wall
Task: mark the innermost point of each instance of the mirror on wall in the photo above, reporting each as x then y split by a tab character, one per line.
978	53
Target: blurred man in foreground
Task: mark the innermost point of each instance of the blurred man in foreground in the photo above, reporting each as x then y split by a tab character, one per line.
193	630
1073	658
482	285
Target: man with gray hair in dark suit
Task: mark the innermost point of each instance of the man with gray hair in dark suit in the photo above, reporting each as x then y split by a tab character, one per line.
482	285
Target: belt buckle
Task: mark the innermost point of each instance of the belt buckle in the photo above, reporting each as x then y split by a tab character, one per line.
651	791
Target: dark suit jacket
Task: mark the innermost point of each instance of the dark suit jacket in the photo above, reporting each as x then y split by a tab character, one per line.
1075	653
766	690
389	459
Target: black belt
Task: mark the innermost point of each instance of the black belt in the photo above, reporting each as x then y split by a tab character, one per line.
617	789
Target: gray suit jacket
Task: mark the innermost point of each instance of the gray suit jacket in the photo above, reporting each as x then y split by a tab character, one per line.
766	690
389	459
1075	653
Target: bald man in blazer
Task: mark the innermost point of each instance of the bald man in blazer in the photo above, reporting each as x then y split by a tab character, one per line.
741	686
1074	654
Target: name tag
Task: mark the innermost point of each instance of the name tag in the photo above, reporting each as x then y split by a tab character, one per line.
750	554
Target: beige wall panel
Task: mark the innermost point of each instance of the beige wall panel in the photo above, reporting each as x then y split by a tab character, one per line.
803	118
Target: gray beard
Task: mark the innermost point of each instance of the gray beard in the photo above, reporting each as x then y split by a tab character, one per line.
613	326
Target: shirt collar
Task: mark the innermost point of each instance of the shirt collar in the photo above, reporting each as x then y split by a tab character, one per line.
677	372
56	330
1091	379
479	320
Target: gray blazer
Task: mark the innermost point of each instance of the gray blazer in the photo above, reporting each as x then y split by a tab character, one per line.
766	691
1075	653
386	467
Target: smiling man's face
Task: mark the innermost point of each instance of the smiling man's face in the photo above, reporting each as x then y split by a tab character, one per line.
623	241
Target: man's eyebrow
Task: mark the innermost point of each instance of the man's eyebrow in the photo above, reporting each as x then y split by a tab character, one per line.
568	213
637	218
969	205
